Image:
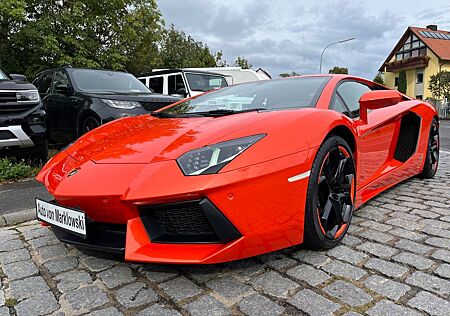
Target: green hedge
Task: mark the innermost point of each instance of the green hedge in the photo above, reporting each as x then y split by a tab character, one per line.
10	171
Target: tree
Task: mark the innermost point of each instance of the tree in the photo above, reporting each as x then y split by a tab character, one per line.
12	16
115	34
402	84
440	85
242	62
182	51
378	79
287	74
338	70
220	61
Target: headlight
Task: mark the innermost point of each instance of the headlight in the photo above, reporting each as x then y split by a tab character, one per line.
210	159
27	96
118	104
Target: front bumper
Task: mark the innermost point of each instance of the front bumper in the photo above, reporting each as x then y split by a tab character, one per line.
23	130
260	210
11	136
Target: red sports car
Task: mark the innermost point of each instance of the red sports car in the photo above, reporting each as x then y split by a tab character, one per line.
240	171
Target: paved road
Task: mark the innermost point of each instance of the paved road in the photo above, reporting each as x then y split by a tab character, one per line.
444	130
20	196
394	261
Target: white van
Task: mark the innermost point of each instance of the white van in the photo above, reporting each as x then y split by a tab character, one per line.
182	82
237	75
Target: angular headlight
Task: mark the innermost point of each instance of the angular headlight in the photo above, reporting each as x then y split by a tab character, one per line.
210	159
118	104
27	96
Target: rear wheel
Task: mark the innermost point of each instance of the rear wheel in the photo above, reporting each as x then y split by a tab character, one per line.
331	195
432	154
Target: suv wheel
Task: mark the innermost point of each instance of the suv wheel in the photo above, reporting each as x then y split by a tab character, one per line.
89	123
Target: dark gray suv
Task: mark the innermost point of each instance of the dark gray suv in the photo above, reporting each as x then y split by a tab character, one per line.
78	100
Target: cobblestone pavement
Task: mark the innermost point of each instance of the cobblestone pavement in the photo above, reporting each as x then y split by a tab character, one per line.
394	261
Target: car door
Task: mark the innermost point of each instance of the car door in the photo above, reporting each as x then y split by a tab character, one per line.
62	107
375	138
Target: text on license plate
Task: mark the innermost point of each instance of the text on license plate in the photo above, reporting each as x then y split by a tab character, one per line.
63	217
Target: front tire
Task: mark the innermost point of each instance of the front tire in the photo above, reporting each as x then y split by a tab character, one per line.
331	195
89	123
432	154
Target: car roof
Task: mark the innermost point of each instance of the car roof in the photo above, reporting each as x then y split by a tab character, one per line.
176	70
68	67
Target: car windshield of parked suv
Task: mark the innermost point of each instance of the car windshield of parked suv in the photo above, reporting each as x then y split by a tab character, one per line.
265	94
205	82
3	76
98	81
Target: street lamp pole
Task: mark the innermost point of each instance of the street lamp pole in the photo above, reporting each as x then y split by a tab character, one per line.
338	42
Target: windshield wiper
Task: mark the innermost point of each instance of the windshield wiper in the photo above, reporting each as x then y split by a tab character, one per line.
173	115
163	115
223	112
212	113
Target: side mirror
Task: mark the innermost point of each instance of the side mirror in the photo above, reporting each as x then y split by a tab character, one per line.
64	89
377	99
18	77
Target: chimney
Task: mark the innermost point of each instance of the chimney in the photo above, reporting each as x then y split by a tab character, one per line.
432	27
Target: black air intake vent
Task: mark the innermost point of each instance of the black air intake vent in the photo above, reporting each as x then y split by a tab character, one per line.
187	222
408	137
6	135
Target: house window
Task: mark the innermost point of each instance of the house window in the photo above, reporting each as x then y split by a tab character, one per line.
396	82
419	97
419	78
412	47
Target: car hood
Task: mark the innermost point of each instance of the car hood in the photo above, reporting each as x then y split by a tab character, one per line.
15	85
145	139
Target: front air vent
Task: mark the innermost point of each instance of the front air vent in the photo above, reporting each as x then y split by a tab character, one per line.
408	137
6	135
196	221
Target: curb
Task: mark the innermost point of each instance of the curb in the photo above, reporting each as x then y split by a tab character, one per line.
17	217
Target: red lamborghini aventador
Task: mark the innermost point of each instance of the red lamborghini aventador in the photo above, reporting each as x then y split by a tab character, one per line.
238	172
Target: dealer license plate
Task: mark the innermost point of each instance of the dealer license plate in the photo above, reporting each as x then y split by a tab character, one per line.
63	217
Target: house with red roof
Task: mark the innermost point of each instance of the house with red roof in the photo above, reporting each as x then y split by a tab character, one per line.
421	53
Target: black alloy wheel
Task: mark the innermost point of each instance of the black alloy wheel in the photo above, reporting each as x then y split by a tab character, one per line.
432	154
331	195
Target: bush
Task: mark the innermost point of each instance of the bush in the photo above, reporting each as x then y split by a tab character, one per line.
402	84
14	170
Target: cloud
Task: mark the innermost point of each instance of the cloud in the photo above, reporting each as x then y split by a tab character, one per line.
283	36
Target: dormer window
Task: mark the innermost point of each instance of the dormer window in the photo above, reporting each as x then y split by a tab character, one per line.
412	47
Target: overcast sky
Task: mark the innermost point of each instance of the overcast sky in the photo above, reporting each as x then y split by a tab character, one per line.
282	35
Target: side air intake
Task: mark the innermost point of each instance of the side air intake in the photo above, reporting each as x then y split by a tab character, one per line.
408	137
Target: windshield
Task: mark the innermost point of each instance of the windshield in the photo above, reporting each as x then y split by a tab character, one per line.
204	82
107	81
265	94
3	76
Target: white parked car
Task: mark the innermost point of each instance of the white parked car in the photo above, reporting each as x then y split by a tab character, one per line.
183	82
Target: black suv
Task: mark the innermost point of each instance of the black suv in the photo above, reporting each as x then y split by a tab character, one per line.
78	100
22	120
